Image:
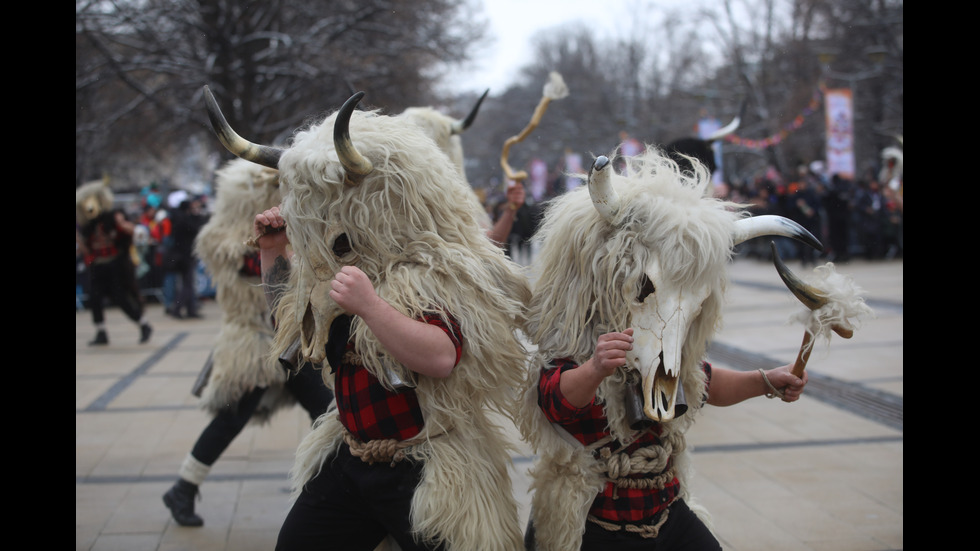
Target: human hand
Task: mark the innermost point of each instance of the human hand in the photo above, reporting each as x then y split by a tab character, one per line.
269	229
353	291
515	195
791	386
610	351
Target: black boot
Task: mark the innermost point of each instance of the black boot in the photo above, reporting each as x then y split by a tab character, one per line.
145	332
180	500
100	338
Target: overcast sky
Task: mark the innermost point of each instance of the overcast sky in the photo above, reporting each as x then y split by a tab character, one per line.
514	22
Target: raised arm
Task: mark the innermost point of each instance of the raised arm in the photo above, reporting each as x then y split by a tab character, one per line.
270	237
419	346
729	387
579	385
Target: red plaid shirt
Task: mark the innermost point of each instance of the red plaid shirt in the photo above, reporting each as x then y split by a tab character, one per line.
251	265
372	412
588	425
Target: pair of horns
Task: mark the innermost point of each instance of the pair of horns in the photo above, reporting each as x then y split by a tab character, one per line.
607	202
356	166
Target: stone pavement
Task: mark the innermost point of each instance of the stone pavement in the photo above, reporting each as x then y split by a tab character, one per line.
822	474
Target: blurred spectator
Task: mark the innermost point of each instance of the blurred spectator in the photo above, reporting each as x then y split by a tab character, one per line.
837	203
869	217
162	233
150	195
179	258
760	201
104	237
893	223
152	219
515	221
803	207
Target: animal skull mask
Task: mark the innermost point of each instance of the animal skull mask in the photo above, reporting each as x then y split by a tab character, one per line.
668	303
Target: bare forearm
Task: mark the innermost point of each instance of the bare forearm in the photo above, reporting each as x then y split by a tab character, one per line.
730	387
419	346
579	385
501	228
275	274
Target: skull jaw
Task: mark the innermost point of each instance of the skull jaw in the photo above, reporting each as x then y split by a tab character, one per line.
660	396
318	316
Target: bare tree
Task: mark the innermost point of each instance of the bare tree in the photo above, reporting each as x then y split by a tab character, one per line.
141	66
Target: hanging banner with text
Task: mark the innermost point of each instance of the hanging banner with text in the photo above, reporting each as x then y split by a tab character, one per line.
840	132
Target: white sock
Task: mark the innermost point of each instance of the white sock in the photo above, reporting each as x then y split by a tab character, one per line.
193	470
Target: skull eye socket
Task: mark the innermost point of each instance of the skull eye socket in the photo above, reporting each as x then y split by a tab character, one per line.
341	246
646	289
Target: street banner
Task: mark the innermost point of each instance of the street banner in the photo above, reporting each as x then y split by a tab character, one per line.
840	132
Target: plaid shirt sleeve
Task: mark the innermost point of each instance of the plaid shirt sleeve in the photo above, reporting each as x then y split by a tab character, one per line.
550	398
452	331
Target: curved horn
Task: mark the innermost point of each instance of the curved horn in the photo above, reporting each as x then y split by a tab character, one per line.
770	224
261	154
732	126
460	126
356	166
600	189
811	297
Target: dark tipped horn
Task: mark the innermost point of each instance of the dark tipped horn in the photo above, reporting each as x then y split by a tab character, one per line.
810	296
459	127
604	197
356	166
770	224
261	154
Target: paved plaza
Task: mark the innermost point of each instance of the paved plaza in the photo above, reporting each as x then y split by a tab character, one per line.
822	474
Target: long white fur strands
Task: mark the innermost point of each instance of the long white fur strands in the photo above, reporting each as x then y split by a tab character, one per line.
240	356
587	272
413	227
845	307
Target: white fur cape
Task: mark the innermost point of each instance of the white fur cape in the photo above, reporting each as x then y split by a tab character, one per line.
413	226
241	359
586	274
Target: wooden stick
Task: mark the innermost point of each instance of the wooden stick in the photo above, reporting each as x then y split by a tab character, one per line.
804	355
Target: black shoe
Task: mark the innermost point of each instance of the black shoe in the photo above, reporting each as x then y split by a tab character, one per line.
174	314
100	338
180	500
145	332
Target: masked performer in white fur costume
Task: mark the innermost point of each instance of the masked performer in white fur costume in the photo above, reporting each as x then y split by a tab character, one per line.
104	236
629	282
396	289
242	381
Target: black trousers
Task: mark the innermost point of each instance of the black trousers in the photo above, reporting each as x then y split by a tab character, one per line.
306	385
683	531
115	279
352	506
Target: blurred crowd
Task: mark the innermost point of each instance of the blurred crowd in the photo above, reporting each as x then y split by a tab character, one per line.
860	218
167	269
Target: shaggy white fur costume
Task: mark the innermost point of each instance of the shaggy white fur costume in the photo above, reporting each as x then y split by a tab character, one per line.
587	273
241	360
413	228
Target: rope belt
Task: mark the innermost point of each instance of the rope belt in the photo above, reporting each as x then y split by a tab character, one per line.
644	530
617	466
388	450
